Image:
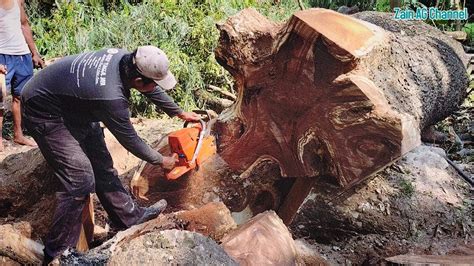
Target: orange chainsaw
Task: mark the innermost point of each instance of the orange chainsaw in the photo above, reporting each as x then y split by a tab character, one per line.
192	144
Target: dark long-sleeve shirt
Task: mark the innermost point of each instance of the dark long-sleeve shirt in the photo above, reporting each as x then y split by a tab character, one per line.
88	88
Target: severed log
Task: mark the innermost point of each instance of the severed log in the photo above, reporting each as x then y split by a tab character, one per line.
27	190
323	96
328	95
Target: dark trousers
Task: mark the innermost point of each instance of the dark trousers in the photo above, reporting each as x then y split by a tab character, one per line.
81	161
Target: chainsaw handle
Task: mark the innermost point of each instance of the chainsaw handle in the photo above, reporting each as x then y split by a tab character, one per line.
200	139
203	112
203	124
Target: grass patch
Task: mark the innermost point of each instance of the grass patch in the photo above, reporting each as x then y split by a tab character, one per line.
407	188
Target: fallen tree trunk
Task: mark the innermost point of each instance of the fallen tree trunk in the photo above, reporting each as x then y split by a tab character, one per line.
328	95
27	189
324	96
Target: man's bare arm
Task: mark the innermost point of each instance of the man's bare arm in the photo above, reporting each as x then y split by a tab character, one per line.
28	34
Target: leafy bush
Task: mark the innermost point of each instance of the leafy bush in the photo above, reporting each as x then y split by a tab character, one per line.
469	29
185	29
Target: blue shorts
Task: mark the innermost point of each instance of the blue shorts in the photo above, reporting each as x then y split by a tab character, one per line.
20	70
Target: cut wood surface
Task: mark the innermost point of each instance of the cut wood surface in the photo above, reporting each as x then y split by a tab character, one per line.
264	240
328	95
87	229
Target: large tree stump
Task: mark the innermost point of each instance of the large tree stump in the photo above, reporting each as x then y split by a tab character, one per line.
324	96
328	95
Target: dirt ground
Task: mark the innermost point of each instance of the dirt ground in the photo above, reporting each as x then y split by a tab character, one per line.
419	205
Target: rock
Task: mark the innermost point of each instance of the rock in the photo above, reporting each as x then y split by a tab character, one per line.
170	247
263	240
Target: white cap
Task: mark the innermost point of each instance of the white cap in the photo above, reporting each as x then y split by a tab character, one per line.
153	63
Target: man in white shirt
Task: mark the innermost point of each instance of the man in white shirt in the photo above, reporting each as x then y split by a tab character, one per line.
18	54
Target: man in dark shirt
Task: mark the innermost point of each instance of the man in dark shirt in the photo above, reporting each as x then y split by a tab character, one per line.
62	106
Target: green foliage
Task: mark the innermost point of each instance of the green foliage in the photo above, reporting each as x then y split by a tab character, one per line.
407	188
379	5
469	29
185	29
383	5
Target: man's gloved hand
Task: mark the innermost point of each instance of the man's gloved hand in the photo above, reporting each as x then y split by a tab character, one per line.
169	162
189	116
